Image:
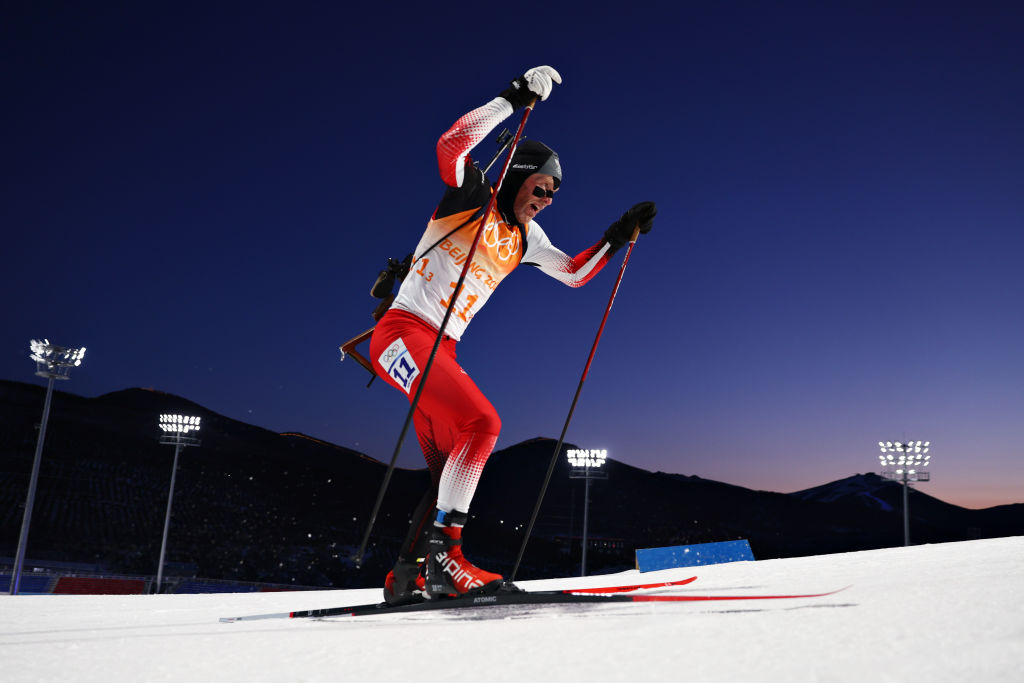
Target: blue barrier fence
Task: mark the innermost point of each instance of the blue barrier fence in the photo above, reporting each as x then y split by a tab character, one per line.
652	559
29	584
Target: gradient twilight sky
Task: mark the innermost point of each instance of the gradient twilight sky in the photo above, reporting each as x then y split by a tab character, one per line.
203	194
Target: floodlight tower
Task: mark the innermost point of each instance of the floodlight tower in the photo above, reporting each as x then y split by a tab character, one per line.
586	465
902	461
52	362
175	430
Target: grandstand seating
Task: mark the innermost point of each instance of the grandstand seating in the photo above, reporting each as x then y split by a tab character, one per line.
88	585
192	586
30	583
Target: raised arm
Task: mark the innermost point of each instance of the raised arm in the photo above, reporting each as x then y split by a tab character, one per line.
455	145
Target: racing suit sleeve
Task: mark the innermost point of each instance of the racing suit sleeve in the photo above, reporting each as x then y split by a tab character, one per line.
552	261
454	146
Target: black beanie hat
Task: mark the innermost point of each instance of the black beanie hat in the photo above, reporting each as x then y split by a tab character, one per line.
531	157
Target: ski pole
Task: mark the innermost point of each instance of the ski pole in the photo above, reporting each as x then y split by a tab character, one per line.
572	408
358	557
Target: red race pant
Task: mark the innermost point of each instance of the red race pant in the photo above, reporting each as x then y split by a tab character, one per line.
455	423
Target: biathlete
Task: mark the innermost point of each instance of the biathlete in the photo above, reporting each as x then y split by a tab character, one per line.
455	424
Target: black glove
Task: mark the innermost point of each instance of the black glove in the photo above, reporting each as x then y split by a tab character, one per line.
619	232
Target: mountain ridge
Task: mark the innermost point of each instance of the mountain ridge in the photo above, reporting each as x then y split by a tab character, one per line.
288	507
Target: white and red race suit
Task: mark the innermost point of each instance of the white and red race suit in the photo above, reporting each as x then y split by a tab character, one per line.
456	425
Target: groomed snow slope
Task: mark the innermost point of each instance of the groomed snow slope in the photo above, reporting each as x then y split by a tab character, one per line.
949	612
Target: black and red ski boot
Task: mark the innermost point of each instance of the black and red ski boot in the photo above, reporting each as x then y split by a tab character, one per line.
449	573
405	584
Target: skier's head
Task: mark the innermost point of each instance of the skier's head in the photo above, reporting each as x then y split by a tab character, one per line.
534	170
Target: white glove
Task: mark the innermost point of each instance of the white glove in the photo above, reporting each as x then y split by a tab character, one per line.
539	80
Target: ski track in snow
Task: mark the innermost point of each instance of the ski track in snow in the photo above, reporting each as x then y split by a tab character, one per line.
946	612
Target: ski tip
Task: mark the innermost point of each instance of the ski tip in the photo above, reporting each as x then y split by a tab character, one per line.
630	588
255	617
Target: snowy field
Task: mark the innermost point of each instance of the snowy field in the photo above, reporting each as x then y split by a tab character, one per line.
949	612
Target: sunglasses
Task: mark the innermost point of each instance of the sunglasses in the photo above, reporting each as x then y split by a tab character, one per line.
541	192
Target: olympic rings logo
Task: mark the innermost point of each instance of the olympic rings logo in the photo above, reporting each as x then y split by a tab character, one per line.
391	353
505	247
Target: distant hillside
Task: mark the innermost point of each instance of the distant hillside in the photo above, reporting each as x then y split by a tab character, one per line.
875	493
254	505
861	489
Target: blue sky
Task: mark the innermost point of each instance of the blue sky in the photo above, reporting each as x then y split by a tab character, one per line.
203	195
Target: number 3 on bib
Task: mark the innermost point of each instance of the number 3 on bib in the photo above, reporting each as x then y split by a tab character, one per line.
464	314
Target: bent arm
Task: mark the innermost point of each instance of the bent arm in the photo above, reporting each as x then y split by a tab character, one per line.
454	146
573	271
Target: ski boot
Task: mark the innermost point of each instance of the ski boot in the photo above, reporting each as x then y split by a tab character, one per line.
405	584
449	573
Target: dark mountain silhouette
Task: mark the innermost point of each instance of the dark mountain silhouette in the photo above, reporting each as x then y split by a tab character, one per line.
861	489
873	492
254	505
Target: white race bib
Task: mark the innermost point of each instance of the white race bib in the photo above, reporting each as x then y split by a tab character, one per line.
398	363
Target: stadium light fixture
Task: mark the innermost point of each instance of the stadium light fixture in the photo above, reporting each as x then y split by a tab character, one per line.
177	431
903	461
52	362
586	465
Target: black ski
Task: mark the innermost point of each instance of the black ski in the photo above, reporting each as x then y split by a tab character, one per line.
532	598
517	598
381	608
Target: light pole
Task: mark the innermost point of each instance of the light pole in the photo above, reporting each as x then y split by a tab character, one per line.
902	461
586	465
176	430
52	362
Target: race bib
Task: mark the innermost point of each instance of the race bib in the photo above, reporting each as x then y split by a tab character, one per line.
398	363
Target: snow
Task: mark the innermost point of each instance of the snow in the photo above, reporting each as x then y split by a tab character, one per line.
947	612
